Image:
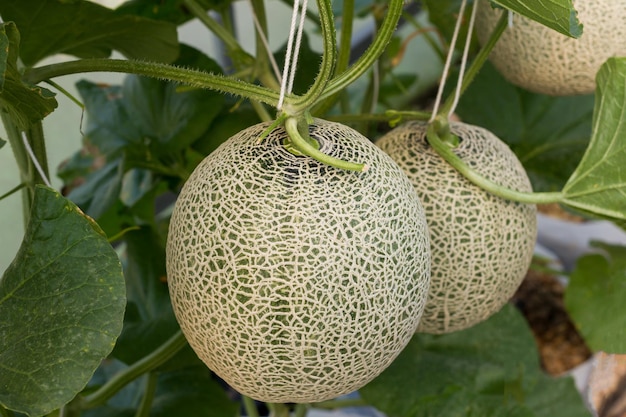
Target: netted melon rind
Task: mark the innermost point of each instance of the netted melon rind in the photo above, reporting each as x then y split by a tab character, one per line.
544	61
481	245
292	280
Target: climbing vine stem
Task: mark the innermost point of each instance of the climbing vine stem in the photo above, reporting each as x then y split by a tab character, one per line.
194	78
372	53
329	57
155	359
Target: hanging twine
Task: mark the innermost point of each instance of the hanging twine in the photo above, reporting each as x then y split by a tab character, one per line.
468	40
293	50
446	68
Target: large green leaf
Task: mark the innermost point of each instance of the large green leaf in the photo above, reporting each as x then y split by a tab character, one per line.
595	298
61	307
169	10
192	392
559	15
149	117
100	190
144	129
548	134
87	30
491	369
598	185
25	103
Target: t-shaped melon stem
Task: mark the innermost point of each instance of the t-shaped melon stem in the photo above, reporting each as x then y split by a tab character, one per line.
310	147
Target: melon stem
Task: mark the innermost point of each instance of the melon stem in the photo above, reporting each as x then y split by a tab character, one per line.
444	150
301	145
278	410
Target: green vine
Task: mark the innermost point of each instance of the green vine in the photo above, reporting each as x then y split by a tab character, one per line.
302	104
372	53
148	395
194	78
161	355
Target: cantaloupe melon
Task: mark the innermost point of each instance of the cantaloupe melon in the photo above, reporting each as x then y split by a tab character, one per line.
542	60
295	281
481	245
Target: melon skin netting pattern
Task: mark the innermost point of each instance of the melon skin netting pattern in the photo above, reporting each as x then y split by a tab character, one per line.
295	281
481	245
541	60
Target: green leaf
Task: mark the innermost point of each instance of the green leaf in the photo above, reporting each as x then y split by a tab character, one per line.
26	104
2	143
93	33
595	298
598	185
61	307
100	190
548	134
559	15
552	397
169	10
491	369
192	392
147	116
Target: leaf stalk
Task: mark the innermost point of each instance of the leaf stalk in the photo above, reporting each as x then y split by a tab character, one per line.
155	359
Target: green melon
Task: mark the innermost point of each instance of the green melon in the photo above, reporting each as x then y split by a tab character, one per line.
295	281
542	60
481	245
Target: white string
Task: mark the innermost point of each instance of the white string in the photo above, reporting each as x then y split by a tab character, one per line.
34	159
510	16
468	40
294	62
265	42
446	67
288	71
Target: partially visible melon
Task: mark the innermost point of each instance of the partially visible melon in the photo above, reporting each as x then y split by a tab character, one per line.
481	245
295	281
542	60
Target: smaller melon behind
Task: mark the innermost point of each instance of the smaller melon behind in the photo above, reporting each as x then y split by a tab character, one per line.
481	245
542	60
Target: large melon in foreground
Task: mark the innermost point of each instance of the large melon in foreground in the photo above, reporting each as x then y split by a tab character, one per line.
542	60
292	280
481	245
